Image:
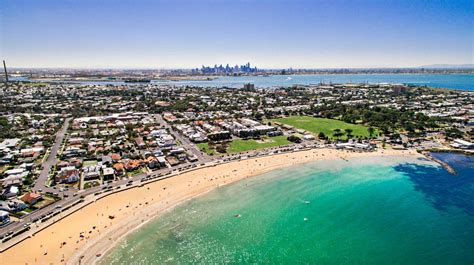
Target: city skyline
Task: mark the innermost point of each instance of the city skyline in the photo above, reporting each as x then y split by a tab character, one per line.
271	35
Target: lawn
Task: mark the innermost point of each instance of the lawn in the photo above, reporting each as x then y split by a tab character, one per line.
327	126
205	148
136	172
240	145
91	184
44	202
90	163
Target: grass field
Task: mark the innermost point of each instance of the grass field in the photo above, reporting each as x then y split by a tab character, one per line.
205	148
327	126
240	145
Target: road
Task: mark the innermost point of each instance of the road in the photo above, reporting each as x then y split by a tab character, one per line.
122	183
71	196
185	142
51	161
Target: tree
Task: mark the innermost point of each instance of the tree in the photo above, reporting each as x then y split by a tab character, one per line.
294	139
221	148
348	132
258	116
337	133
371	131
321	135
453	133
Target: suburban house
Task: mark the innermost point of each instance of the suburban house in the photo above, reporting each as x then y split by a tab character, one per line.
31	197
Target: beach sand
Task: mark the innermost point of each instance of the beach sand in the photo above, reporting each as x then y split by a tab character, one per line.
90	232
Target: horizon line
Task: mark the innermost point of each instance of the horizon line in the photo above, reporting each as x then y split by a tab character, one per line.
433	66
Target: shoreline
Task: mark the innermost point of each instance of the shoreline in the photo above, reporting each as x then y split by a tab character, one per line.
77	238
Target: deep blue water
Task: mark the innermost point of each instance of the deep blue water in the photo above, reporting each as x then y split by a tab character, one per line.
441	189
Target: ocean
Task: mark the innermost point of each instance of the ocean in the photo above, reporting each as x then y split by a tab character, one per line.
449	81
361	211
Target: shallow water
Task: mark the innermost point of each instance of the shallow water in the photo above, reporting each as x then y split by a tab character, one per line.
365	211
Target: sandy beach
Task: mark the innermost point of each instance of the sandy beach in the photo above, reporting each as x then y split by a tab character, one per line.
89	233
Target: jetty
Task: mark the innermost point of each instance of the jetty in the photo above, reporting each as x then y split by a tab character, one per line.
446	166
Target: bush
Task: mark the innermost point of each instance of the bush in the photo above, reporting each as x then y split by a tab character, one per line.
294	139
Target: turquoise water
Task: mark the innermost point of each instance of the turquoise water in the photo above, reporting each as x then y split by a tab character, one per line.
377	211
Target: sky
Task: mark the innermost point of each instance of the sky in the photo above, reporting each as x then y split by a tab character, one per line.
268	34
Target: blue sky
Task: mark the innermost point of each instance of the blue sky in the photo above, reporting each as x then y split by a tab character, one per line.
270	34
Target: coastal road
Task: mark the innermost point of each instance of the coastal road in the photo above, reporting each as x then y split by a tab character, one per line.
137	180
51	161
73	196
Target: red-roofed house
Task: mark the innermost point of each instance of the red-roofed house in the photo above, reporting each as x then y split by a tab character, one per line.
31	197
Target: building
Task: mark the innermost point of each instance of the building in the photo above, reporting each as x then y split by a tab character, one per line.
68	175
399	89
462	144
249	87
31	198
140	143
4	218
109	173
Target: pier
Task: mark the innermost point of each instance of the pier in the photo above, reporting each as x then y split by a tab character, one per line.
446	166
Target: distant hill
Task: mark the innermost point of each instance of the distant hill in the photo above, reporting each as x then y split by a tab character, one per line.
448	66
